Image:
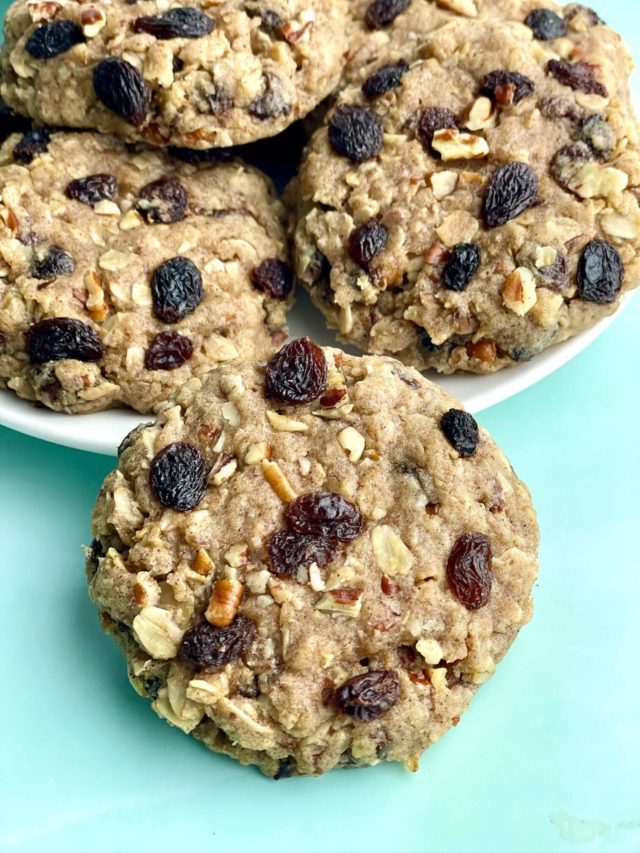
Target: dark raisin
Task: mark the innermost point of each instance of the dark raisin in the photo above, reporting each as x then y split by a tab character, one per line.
507	87
152	685
271	22
63	337
176	289
11	122
366	697
546	24
164	200
384	80
168	351
381	13
461	431
34	142
567	162
288	551
56	262
555	275
93	188
599	135
53	38
324	514
94	553
273	277
178	476
207	646
556	107
182	22
122	89
469	570
600	273
431	120
512	190
579	76
297	373
219	102
366	242
271	103
461	266
286	768
355	132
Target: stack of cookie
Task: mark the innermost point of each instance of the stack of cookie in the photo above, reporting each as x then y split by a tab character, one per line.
310	559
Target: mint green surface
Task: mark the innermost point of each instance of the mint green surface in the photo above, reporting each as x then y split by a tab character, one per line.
553	738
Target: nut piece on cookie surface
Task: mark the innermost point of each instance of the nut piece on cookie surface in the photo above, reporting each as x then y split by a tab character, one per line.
334	602
125	275
511	132
207	75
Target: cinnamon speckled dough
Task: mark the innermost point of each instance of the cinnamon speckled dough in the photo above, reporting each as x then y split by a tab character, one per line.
524	296
151	570
233	222
264	65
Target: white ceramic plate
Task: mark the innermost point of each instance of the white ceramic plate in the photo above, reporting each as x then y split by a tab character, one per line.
103	432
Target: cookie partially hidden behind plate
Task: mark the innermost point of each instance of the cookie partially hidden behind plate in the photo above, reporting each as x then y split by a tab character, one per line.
471	209
202	75
313	564
126	272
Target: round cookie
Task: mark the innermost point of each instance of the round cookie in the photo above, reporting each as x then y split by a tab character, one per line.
198	76
125	273
313	564
468	211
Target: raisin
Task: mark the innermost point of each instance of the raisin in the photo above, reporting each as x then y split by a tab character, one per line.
271	103
381	13
176	289
600	273
366	242
63	337
164	201
384	80
93	556
178	476
53	38
207	646
181	22
93	188
324	514
131	437
507	87
469	570
355	132
461	431
168	351
271	22
286	768
546	24
599	135
152	686
567	162
297	373
366	697
462	265
512	190
56	262
122	90
288	551
591	17
431	120
556	107
10	122
273	277
579	76
34	142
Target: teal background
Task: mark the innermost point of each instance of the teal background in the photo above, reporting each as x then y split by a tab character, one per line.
547	759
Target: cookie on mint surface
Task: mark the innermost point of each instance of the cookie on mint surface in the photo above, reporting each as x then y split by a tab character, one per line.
126	272
472	209
313	564
201	75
